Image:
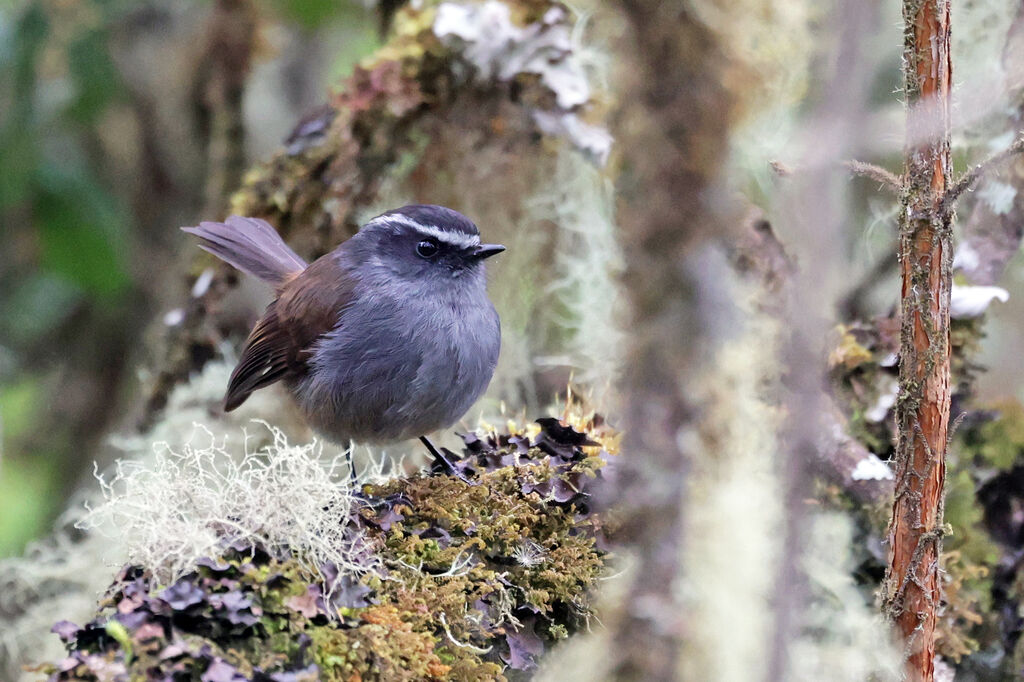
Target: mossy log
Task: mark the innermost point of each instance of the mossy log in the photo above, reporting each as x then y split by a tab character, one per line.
471	574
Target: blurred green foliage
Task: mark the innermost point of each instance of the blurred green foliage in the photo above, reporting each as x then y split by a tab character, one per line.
25	486
309	13
68	228
64	236
76	223
80	229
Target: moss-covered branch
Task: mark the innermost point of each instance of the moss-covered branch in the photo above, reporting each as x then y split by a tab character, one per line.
467	577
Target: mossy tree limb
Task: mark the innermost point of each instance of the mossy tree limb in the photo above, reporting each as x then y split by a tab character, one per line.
433	576
912	588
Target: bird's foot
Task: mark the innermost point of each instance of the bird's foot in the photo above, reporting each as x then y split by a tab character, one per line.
442	461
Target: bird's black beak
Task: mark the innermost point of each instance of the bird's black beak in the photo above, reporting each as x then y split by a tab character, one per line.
487	250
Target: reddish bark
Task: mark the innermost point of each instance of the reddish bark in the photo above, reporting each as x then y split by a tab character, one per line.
913	589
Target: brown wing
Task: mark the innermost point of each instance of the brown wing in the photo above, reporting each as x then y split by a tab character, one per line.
279	346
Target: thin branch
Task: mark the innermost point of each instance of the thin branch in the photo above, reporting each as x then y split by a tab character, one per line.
464	645
887	179
220	89
913	589
968	179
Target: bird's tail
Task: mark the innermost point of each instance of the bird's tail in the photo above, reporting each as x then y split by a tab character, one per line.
251	245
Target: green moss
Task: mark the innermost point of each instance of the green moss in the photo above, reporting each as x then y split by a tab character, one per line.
473	572
969	560
848	353
383	646
971	555
998	443
314	190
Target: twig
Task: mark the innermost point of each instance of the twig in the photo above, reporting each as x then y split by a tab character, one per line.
889	180
464	645
968	179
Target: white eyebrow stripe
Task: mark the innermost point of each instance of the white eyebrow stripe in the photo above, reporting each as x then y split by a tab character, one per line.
458	239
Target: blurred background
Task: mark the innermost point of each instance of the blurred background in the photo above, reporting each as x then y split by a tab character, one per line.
121	120
105	136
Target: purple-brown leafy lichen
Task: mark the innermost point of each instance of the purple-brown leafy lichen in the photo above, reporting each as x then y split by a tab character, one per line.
479	573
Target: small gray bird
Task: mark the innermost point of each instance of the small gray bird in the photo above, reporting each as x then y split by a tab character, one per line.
388	337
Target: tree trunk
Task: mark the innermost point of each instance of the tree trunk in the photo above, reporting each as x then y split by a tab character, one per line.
231	39
912	588
673	128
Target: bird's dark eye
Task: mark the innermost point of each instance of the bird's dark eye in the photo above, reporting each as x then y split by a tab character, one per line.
426	248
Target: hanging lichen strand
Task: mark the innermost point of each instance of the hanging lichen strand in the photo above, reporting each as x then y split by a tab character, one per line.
912	588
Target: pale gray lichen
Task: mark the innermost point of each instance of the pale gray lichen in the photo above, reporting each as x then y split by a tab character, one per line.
497	49
593	141
501	50
588	264
871	468
179	505
64	573
968	301
999	196
844	637
888	392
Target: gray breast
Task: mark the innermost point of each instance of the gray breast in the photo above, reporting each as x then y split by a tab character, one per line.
399	367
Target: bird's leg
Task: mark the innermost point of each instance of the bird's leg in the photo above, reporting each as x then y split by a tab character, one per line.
436	454
353	477
443	461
